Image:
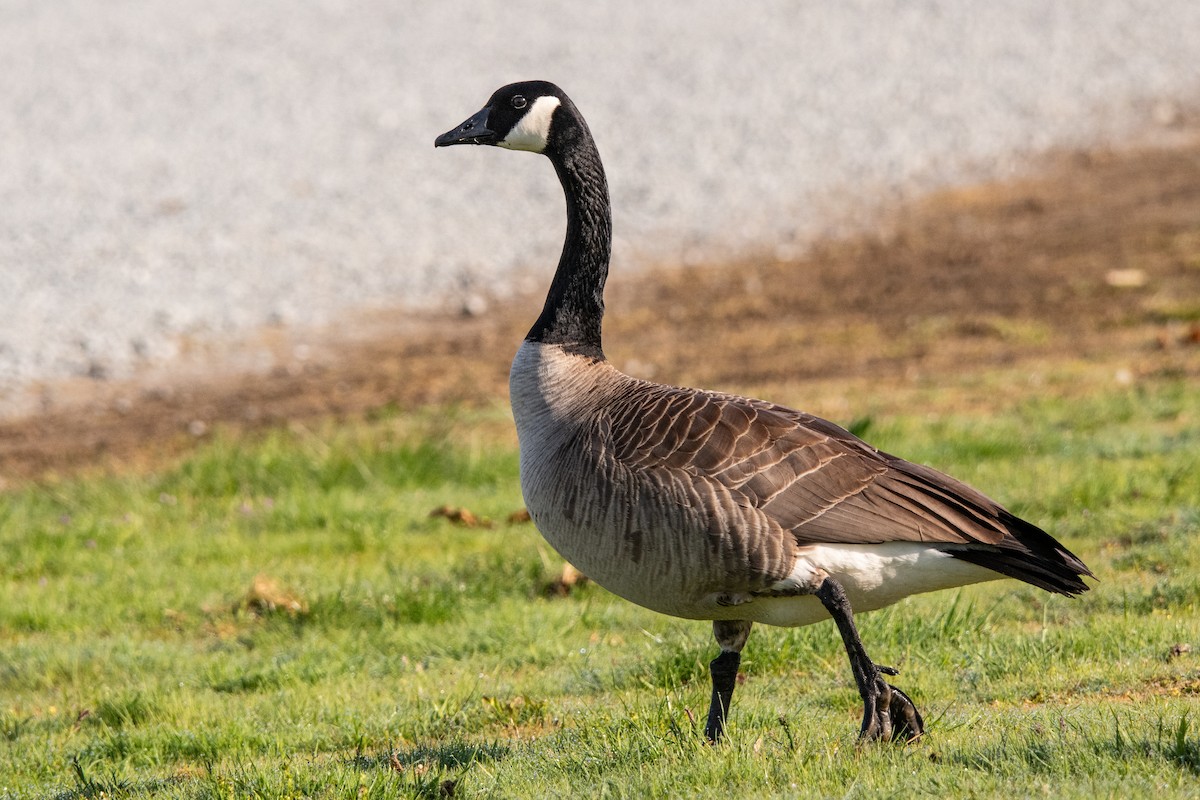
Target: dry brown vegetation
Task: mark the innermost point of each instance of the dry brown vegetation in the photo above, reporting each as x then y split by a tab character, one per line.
1096	258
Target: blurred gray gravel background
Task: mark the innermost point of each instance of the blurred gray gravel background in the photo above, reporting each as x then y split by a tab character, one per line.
174	169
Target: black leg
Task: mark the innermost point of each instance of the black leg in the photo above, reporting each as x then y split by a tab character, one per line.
731	636
888	713
724	670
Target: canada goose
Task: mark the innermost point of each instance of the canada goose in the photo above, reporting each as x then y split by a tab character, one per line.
712	506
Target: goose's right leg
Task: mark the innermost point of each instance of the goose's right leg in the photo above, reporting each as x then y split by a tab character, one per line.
888	713
731	635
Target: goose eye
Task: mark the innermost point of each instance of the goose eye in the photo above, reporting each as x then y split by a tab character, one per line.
519	101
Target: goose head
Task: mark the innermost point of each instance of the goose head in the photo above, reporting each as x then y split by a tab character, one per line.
538	117
520	116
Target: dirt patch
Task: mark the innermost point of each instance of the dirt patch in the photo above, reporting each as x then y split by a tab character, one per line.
1097	257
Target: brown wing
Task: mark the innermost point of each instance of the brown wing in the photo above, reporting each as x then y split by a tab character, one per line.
813	478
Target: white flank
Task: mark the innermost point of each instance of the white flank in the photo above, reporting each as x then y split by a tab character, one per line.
532	131
873	575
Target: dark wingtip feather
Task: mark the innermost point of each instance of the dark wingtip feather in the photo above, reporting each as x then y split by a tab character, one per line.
1029	554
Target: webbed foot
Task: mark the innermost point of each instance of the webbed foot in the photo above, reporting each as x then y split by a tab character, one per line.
889	713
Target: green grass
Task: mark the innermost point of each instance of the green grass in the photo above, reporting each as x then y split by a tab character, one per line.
389	653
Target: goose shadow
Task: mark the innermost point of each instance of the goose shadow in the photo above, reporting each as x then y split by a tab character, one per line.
439	758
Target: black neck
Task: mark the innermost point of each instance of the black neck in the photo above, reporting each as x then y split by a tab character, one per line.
575	304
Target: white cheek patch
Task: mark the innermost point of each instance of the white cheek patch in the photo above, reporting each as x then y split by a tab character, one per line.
532	131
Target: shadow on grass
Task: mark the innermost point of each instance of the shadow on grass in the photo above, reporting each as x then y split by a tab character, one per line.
89	786
1043	752
432	771
1171	744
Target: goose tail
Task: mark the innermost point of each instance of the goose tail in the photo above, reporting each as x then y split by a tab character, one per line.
1029	554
